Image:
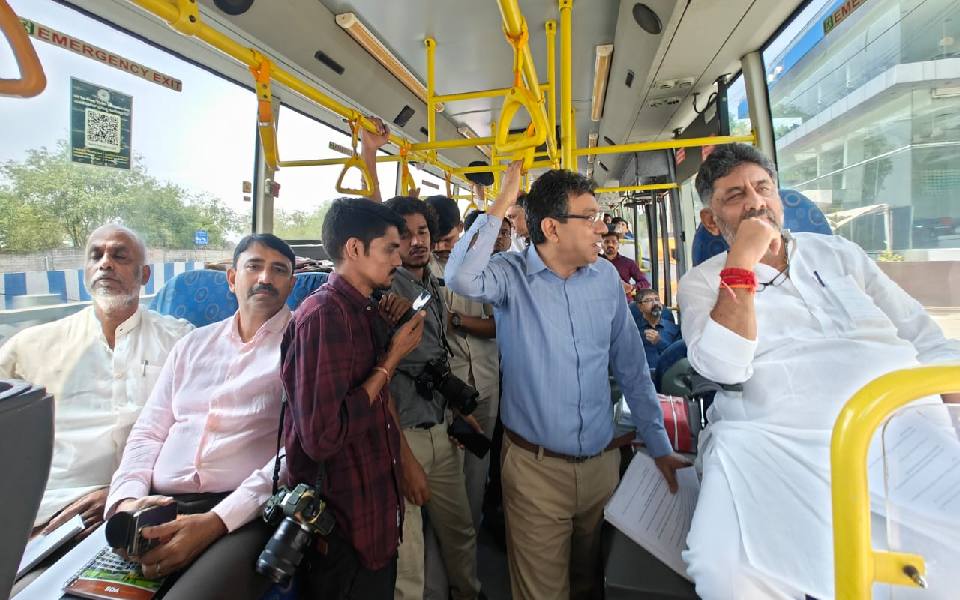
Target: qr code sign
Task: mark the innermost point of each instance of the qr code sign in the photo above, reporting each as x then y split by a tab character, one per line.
101	130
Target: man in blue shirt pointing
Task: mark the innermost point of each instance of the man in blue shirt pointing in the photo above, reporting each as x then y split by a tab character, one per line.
562	322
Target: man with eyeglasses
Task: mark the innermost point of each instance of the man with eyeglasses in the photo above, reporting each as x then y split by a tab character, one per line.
802	322
558	297
656	324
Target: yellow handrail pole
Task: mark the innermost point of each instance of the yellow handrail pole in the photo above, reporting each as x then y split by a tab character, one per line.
551	27
650	187
566	85
666	144
170	13
513	25
494	158
458	143
325	162
492	93
431	45
32	80
497	169
856	564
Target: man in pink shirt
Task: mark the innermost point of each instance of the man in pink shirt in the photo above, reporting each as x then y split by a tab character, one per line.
206	438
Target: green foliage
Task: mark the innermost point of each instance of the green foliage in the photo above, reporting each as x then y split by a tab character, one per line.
300	225
47	201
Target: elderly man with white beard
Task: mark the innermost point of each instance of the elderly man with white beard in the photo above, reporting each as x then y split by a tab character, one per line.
100	364
802	321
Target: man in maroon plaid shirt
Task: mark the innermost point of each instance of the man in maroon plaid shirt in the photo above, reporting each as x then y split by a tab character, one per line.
338	356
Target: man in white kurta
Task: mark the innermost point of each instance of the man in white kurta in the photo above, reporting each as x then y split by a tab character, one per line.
823	321
100	364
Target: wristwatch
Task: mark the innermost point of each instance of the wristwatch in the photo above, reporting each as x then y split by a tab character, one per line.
455	320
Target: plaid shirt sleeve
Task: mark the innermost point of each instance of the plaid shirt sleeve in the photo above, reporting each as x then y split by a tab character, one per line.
317	364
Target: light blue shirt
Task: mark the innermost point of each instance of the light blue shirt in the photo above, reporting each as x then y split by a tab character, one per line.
557	338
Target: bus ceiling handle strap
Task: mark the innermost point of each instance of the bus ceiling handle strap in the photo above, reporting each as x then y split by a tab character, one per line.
367	190
520	97
32	79
407	183
265	123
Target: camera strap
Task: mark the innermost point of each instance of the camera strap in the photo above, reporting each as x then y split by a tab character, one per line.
321	466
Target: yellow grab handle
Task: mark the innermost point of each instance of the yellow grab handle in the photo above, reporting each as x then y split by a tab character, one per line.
367	190
407	184
32	80
520	97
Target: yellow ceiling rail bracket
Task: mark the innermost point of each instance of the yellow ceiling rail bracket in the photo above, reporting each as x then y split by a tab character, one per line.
32	81
856	564
188	18
354	161
265	120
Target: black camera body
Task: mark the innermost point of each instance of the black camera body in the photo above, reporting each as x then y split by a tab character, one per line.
124	530
300	514
436	375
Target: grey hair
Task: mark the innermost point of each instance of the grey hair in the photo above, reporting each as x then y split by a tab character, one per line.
725	159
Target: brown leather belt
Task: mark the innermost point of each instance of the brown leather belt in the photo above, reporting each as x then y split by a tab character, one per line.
535	449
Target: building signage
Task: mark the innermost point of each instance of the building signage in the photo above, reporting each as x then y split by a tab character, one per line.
837	17
57	38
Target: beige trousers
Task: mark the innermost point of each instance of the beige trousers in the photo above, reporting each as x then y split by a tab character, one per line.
553	510
449	514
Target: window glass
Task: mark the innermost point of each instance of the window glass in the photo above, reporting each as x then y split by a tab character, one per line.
738	114
187	148
866	114
306	192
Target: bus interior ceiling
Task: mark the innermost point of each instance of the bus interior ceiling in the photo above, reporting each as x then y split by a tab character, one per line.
700	40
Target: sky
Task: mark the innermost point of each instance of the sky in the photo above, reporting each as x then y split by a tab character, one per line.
201	138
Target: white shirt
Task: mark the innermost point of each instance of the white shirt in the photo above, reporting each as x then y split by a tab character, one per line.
817	344
518	243
211	423
98	392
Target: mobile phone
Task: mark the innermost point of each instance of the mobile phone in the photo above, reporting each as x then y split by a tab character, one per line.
418	304
475	442
125	530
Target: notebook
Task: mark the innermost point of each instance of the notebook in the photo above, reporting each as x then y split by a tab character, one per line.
43	545
107	576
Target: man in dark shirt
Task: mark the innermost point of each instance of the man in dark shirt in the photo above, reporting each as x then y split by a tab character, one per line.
657	326
338	358
633	279
432	464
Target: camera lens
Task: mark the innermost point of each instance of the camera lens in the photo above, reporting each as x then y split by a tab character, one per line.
283	553
459	394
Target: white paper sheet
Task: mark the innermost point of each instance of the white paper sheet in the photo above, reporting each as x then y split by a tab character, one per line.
41	546
644	509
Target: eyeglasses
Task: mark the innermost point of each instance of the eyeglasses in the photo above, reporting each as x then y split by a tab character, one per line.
595	218
648	300
779	278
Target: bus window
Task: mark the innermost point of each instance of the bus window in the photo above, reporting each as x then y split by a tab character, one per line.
867	125
306	192
738	113
181	144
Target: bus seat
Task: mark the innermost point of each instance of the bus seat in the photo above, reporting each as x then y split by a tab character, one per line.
799	214
26	447
203	297
668	358
675	381
632	573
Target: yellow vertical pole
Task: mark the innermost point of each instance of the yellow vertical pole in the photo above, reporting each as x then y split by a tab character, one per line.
552	78
574	159
566	84
493	162
431	45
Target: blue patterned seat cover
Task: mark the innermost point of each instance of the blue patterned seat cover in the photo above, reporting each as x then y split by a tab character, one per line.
203	297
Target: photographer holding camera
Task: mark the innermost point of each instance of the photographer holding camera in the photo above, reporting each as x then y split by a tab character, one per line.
422	389
341	431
